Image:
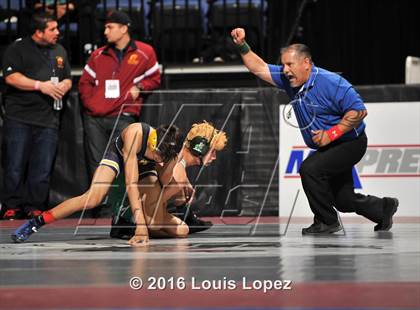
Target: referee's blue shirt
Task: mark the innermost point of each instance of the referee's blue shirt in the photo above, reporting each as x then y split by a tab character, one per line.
321	102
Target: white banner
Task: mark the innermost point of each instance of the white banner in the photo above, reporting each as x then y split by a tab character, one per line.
390	167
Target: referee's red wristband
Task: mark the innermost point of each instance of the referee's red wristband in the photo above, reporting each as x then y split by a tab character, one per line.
334	133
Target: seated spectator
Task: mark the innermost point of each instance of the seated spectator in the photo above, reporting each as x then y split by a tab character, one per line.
59	7
219	46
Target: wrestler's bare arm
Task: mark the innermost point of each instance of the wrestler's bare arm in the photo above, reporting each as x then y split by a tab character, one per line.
178	183
166	171
132	137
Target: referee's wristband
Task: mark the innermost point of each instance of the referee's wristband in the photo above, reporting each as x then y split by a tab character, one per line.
334	133
243	48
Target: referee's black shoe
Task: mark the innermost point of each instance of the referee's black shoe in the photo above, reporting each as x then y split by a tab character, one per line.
321	229
390	207
121	229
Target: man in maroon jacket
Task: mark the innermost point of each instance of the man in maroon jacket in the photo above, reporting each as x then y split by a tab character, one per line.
112	85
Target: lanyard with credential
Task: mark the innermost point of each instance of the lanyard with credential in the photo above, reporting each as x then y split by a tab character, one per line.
112	86
52	63
48	58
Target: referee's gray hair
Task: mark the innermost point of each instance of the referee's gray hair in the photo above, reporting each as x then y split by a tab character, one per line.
299	48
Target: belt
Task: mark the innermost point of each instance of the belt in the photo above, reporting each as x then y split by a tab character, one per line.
129	114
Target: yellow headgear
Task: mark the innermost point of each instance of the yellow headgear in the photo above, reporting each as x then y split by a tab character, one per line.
152	139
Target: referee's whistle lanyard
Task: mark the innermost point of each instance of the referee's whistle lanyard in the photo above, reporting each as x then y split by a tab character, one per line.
300	99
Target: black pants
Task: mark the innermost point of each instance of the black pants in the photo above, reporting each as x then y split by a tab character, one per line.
328	182
98	131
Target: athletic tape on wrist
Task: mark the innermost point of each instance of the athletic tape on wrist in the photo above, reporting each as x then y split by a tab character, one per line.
243	48
334	133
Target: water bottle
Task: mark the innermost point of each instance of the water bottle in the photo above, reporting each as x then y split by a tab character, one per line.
58	103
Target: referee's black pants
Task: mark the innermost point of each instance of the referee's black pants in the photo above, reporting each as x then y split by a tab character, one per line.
328	182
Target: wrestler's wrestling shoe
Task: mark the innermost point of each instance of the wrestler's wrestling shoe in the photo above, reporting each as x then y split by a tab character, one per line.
321	229
195	224
121	229
25	231
390	207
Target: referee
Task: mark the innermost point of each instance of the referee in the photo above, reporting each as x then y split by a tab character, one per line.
330	115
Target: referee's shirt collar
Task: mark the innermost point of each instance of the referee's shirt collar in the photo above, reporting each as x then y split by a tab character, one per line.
311	81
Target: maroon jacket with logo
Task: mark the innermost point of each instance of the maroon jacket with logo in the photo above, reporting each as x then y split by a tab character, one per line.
138	67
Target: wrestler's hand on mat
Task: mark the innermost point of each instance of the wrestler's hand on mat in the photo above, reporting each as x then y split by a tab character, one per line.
140	238
238	36
320	138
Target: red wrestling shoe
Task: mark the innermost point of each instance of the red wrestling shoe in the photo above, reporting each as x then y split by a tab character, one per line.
11	214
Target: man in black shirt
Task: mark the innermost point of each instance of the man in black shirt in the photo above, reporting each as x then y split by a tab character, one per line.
37	73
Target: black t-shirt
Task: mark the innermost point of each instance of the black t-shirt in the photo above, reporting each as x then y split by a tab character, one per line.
38	63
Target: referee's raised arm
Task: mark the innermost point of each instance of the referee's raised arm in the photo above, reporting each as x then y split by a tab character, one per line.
252	61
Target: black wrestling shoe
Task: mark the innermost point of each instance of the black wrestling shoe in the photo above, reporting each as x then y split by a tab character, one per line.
390	207
121	229
321	229
195	224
